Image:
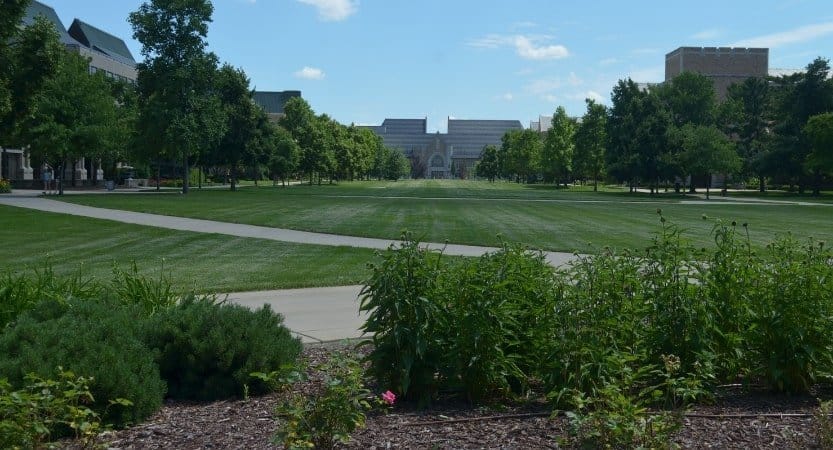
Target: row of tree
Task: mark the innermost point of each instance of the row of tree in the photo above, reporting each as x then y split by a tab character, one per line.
777	128
185	108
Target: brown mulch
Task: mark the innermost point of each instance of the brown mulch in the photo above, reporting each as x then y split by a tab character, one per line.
738	420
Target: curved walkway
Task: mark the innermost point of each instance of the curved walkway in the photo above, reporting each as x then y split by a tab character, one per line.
315	315
242	230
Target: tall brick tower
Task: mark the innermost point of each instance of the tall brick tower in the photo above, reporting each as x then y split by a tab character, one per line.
724	65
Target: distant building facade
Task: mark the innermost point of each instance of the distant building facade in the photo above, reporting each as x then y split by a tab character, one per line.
723	65
273	102
443	155
106	53
542	125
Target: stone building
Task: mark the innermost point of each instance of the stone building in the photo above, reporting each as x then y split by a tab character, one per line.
274	101
106	53
443	155
723	65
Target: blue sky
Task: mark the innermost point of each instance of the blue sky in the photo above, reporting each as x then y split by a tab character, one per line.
362	61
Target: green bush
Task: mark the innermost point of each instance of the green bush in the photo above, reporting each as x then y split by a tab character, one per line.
20	292
43	409
407	320
97	339
5	186
322	420
206	350
496	305
473	326
790	337
149	294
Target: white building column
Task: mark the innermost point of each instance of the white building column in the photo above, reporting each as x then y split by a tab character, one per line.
80	171
99	172
25	172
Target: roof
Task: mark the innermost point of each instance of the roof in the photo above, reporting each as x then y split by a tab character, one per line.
100	40
36	9
273	102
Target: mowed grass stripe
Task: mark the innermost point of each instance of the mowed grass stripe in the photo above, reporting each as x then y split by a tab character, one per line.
205	262
588	222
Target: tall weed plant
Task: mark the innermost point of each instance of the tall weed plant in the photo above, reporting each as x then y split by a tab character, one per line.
486	327
468	326
19	292
407	319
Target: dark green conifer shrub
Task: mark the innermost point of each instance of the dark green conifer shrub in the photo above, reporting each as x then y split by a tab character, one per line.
207	350
93	339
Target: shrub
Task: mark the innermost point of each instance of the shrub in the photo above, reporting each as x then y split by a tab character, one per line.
97	339
42	409
149	294
790	337
823	424
407	320
496	307
5	186
20	292
206	350
322	420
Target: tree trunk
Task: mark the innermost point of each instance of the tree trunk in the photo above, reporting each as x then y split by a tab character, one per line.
761	183
61	178
234	180
199	178
185	174
708	184
158	174
816	183
595	183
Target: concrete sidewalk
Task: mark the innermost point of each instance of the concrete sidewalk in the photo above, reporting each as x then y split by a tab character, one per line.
314	315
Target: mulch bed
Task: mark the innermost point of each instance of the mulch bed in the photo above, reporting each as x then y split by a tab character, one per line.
738	420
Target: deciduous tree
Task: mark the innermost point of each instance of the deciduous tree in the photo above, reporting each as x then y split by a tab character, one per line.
176	80
74	114
557	152
707	151
819	134
591	143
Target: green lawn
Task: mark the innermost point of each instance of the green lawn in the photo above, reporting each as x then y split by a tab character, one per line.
477	212
206	262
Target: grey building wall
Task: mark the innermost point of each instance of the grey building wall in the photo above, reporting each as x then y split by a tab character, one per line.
438	153
273	102
723	65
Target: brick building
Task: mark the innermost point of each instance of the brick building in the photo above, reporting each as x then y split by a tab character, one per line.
723	65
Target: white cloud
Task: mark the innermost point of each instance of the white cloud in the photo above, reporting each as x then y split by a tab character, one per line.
507	97
550	98
526	46
608	61
648	74
310	73
707	35
591	94
527	49
333	10
800	34
544	85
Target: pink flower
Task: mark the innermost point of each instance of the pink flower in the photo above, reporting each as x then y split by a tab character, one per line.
389	397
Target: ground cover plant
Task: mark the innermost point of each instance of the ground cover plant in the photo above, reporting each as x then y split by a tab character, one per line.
475	213
203	262
134	341
622	340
